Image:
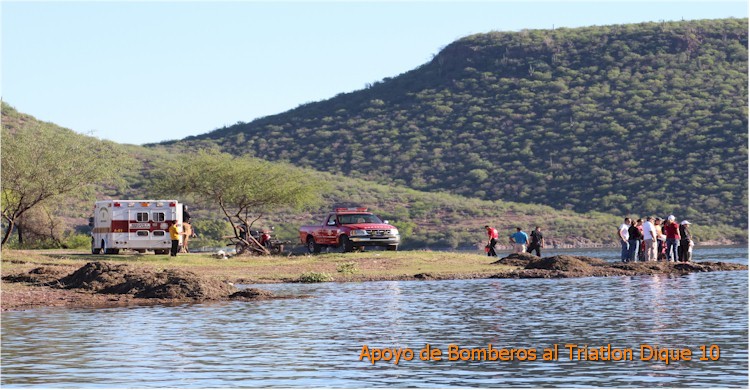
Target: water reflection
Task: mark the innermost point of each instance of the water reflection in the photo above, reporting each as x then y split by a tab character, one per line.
316	342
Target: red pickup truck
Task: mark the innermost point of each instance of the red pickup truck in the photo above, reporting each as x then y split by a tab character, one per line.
349	228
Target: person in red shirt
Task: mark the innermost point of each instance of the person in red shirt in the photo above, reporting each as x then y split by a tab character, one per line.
672	231
265	237
492	236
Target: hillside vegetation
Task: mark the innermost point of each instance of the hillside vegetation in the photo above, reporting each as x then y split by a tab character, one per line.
627	120
425	219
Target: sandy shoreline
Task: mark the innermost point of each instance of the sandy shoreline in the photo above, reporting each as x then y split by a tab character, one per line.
34	279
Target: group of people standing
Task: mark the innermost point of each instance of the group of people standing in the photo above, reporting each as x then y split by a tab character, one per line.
520	240
655	239
182	231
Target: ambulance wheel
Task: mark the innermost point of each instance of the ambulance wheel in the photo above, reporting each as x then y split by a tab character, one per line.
95	251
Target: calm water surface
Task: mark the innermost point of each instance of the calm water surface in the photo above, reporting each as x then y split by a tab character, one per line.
316	342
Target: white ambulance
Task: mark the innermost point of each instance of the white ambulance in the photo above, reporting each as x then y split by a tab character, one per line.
139	225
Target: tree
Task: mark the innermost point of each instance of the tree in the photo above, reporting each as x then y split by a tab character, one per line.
41	161
243	188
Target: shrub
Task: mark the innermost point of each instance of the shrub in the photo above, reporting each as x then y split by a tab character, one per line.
315	277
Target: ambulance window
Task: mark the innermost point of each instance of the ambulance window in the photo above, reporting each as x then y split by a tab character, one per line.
142	233
141	217
158	233
159	217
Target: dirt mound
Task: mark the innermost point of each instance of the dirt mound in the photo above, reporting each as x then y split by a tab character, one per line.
644	268
561	263
517	259
252	293
21	278
107	278
580	266
708	266
96	276
39	275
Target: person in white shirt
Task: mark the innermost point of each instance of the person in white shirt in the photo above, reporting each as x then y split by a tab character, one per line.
623	233
649	239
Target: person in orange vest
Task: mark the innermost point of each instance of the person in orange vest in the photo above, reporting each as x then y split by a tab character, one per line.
174	234
492	236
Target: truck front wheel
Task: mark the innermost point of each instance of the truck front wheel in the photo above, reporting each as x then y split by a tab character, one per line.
312	246
344	244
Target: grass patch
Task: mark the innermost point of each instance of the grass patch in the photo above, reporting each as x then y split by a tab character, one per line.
315	277
369	265
347	268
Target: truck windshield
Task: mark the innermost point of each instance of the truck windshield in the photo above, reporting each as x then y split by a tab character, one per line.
347	219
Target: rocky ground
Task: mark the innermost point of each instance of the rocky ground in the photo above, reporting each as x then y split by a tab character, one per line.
563	266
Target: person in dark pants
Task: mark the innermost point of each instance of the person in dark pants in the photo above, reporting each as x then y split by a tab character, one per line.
174	234
634	240
685	238
492	236
622	233
537	241
672	231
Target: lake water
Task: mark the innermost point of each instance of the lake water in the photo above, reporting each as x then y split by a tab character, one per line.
317	341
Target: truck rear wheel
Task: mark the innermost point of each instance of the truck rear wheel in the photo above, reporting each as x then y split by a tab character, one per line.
312	246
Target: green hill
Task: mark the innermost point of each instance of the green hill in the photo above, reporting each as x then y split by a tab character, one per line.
426	220
637	119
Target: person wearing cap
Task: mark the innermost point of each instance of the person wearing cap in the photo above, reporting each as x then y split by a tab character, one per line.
672	231
685	240
492	236
174	234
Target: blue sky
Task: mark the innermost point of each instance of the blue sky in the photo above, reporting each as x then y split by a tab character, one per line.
139	72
